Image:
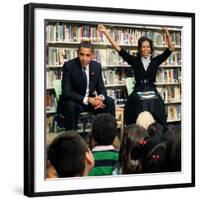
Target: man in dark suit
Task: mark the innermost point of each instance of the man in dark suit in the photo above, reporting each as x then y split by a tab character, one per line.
83	88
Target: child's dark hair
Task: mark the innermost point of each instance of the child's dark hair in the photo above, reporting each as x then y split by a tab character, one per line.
140	41
155	156
104	129
86	44
131	151
67	154
155	130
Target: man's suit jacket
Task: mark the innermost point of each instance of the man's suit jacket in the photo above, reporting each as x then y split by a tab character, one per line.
73	83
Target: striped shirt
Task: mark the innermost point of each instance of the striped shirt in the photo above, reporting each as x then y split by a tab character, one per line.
105	158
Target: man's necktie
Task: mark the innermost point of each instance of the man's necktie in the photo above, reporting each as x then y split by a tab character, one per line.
84	78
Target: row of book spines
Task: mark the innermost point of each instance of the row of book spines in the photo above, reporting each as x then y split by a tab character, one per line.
110	78
115	76
170	93
65	44
168	75
51	76
57	56
119	95
74	33
51	102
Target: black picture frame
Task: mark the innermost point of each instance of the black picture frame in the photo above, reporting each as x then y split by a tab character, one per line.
30	93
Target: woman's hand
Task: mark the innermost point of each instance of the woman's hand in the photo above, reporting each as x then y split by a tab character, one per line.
166	31
101	28
168	39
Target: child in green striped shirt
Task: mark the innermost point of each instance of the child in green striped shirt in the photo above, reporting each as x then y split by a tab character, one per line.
104	131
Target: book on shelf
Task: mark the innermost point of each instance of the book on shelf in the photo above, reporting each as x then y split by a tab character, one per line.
118	95
113	58
49	122
51	102
168	75
170	94
114	76
173	112
57	56
100	55
173	60
51	76
62	32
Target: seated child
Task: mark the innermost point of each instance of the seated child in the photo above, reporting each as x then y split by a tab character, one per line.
155	156
70	155
131	150
104	131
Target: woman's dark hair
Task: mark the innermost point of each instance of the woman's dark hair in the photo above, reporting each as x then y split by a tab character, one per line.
131	150
155	130
140	41
155	156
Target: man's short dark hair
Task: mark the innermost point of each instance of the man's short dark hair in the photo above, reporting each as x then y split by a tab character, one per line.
104	129
86	44
67	154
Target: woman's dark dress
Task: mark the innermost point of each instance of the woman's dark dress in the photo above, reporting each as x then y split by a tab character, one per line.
145	82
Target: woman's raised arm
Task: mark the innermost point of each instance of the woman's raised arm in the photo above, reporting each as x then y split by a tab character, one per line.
169	39
102	29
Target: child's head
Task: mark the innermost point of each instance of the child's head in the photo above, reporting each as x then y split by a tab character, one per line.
155	130
131	151
155	156
70	155
145	119
104	129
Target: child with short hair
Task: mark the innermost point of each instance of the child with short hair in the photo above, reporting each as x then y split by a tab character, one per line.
104	131
70	155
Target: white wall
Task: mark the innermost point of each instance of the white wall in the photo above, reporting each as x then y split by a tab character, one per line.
11	83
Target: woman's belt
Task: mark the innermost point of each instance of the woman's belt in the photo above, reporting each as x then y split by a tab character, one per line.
145	81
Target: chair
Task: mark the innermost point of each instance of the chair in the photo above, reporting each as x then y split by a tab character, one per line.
57	88
84	121
58	120
130	83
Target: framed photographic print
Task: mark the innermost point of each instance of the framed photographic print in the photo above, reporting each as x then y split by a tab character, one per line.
52	34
